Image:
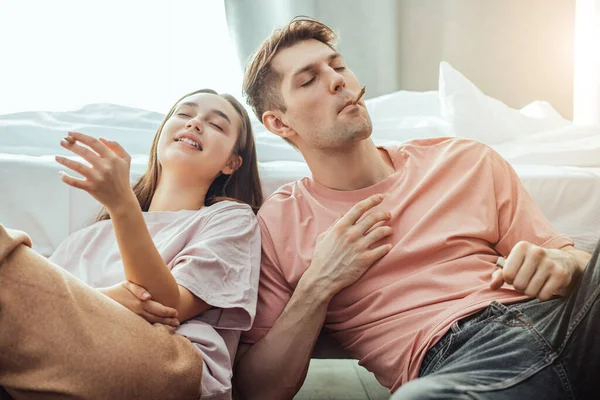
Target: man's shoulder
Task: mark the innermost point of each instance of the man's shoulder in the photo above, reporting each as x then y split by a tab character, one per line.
285	198
443	147
443	143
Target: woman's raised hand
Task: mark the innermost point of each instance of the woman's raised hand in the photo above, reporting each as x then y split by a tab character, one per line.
107	179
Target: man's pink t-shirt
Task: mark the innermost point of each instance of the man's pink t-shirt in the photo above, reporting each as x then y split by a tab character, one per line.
456	206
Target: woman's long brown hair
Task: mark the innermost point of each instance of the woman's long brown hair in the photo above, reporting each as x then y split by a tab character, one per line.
243	185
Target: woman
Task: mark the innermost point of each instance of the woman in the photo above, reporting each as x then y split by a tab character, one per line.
185	236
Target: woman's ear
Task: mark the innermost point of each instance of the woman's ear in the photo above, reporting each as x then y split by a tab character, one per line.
232	165
272	120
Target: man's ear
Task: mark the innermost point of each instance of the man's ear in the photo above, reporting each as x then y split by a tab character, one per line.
273	121
232	165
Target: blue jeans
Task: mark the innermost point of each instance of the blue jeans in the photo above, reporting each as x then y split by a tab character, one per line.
528	350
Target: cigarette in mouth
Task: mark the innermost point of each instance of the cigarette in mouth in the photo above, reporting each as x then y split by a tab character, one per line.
69	139
362	91
500	262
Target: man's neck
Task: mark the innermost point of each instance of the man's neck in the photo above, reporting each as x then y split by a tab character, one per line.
353	168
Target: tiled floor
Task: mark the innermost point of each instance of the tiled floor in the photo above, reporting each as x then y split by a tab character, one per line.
340	380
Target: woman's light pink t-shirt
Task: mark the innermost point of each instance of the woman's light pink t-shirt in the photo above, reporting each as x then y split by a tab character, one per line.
456	206
213	252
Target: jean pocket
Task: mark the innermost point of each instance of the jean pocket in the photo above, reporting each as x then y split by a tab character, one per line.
472	321
507	347
436	355
458	333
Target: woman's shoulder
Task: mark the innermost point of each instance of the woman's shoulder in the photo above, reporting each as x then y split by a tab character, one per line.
82	237
224	208
93	229
225	218
225	213
228	207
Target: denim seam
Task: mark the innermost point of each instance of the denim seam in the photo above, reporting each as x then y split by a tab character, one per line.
578	318
551	354
443	350
509	382
443	356
496	305
559	369
437	327
455	328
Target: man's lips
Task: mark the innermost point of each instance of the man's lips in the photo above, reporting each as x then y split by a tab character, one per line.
348	105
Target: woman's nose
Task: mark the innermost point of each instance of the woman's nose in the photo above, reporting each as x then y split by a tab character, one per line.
194	124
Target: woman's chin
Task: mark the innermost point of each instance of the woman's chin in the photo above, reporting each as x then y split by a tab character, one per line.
181	161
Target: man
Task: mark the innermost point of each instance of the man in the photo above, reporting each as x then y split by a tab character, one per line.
393	251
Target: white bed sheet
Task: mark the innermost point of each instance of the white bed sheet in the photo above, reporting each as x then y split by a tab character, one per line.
569	198
34	199
558	162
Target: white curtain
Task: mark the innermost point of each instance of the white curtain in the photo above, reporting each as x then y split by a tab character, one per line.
60	55
587	62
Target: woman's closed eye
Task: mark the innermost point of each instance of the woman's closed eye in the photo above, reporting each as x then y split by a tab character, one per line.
184	115
216	126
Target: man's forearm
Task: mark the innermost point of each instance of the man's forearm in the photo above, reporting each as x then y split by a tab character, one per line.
276	366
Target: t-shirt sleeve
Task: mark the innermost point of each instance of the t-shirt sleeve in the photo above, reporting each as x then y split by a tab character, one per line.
67	253
274	292
221	266
519	217
59	255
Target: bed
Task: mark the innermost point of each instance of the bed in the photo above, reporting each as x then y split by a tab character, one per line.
558	162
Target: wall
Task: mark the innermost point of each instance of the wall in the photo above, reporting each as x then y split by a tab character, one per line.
515	50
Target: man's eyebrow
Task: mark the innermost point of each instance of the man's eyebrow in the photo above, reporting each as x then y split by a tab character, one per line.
212	111
310	66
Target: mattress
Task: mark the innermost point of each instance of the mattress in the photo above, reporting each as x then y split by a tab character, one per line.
34	199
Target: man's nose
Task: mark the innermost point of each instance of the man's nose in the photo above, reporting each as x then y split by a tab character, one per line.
337	83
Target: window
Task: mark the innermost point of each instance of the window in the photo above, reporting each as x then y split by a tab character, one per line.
60	55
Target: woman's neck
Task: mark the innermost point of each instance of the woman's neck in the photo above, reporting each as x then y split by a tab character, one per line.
173	194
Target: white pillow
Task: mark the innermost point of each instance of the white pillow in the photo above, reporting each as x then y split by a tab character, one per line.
476	116
37	133
404	103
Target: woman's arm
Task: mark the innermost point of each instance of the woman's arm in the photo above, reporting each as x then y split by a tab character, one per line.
142	262
144	265
107	180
